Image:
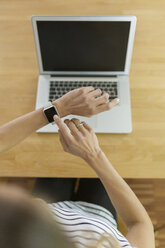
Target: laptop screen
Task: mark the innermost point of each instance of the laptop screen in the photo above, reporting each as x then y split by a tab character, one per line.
83	46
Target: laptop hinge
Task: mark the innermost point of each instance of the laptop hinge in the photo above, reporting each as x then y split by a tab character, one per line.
83	75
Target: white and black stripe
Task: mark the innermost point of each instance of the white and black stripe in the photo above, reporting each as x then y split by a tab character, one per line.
80	217
90	210
98	212
83	223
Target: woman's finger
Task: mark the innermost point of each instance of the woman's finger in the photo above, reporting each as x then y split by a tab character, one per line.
74	131
63	128
63	142
87	127
76	92
82	91
107	106
94	93
79	125
86	89
102	99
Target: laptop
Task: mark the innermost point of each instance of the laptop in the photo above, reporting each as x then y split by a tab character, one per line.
78	51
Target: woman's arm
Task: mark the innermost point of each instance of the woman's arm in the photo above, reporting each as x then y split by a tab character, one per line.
16	130
83	143
140	229
80	101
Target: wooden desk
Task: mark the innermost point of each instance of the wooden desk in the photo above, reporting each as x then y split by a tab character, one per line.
137	155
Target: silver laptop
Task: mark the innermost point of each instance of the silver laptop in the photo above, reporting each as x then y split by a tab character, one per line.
78	51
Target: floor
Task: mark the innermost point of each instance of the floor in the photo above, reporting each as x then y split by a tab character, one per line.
151	193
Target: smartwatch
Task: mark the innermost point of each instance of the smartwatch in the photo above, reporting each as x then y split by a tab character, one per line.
49	111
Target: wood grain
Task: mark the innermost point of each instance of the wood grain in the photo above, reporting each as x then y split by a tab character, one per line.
140	154
151	193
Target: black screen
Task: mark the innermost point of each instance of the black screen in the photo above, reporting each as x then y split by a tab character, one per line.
83	46
50	112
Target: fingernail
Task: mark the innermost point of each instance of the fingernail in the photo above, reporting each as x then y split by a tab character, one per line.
55	117
117	100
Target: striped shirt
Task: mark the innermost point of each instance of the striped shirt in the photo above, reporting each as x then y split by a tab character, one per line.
84	223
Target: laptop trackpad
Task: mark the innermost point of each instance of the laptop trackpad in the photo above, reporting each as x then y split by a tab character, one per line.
91	121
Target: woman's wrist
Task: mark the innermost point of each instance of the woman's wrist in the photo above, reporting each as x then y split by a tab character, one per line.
60	107
99	162
93	157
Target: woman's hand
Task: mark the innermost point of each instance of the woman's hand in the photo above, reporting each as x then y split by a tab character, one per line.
77	138
84	101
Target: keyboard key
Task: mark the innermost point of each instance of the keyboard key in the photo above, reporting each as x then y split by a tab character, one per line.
59	88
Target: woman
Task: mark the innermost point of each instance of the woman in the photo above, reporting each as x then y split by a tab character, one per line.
24	222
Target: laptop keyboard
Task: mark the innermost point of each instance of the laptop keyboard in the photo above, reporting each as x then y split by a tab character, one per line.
59	88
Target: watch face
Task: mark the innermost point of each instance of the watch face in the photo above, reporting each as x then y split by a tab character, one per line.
50	112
